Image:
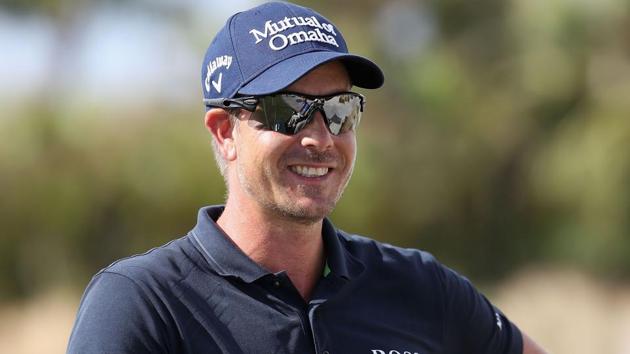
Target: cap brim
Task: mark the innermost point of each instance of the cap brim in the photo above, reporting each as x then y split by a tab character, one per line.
363	72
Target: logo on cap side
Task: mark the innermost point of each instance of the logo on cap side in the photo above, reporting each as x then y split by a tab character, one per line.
214	65
322	32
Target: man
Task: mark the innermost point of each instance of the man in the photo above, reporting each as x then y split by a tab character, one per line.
267	272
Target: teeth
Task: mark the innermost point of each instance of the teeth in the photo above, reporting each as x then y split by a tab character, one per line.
309	171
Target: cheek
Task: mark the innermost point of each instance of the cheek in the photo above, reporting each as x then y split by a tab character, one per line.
267	148
348	147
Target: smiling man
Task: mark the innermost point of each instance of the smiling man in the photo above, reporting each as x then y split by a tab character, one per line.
268	272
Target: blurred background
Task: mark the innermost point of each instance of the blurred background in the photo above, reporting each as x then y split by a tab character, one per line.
499	143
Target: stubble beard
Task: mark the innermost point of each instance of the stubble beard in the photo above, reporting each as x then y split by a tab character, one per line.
285	208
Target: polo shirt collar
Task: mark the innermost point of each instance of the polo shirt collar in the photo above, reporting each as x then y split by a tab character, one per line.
223	256
226	259
338	258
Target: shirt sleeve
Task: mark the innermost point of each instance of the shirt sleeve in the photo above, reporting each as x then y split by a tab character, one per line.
472	323
116	316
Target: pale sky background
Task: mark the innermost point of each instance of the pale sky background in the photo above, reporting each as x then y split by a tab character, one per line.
108	54
109	51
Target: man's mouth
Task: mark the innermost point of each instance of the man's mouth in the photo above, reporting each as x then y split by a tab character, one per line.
307	171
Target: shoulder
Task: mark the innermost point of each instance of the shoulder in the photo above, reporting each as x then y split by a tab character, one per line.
470	322
391	265
151	278
374	253
399	264
127	306
167	263
154	277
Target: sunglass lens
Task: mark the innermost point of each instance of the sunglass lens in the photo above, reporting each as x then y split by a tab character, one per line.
290	113
342	112
274	114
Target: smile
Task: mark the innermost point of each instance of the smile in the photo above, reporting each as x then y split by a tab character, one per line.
306	171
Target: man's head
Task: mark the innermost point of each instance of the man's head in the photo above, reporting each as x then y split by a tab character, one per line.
275	82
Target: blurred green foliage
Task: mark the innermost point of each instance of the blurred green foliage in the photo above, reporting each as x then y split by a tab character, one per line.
499	140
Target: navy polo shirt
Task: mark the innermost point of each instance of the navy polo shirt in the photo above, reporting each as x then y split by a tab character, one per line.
201	294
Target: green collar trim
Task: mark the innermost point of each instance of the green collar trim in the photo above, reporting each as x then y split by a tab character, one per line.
326	269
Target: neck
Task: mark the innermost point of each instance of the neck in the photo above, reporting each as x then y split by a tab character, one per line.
277	243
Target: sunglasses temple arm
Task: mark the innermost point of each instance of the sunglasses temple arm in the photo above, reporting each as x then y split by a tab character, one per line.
248	103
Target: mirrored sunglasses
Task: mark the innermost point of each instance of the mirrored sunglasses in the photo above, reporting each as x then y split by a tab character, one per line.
288	113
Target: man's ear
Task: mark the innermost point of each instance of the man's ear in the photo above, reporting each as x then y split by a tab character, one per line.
220	126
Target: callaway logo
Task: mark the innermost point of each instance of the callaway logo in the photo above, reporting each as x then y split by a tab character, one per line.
499	322
279	41
379	351
218	62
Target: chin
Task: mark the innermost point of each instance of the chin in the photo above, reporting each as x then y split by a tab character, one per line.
306	212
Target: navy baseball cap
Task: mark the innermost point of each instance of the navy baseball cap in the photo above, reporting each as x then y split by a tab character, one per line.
265	49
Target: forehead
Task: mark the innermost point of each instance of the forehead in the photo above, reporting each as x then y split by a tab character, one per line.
325	79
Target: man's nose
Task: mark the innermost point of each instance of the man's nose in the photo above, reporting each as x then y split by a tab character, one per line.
316	133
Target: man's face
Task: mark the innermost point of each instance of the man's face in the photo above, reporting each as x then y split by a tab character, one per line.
300	176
